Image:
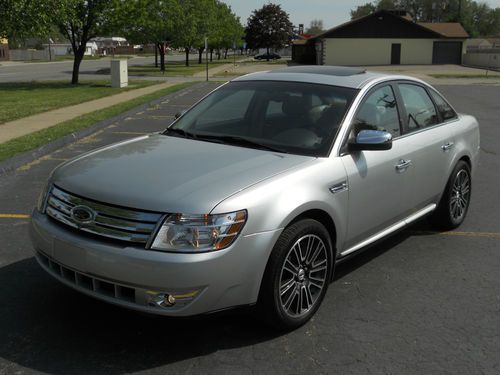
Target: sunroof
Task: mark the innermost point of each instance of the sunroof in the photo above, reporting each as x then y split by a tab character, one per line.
322	69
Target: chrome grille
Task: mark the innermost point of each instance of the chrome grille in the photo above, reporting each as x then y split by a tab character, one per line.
109	221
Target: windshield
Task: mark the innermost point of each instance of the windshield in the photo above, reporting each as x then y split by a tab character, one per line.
290	117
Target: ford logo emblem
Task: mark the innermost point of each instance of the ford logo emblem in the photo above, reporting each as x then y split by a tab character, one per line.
82	214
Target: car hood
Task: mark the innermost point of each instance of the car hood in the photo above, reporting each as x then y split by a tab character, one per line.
169	174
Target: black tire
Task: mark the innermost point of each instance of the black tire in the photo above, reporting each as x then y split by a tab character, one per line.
454	203
296	278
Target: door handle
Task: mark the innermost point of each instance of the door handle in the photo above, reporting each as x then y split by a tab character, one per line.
447	146
402	165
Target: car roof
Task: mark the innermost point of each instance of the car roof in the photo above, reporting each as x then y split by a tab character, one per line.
330	75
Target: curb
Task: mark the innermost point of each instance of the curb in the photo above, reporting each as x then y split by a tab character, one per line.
17	161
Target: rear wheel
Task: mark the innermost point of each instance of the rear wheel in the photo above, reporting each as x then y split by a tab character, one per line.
454	203
297	275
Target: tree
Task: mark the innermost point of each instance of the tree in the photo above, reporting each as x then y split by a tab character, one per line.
315	27
146	21
363	10
268	27
477	18
25	18
80	21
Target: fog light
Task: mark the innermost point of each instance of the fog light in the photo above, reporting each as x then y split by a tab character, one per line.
165	300
161	299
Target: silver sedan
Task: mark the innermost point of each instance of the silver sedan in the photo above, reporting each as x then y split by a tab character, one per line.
254	194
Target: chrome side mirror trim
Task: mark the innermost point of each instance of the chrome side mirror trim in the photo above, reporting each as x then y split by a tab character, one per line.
372	140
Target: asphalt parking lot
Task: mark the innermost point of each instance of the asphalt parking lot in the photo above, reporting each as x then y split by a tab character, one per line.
420	302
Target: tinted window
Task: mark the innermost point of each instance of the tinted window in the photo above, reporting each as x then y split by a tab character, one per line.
420	110
379	112
295	117
443	107
233	108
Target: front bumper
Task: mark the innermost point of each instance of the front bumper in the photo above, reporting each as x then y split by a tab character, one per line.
129	276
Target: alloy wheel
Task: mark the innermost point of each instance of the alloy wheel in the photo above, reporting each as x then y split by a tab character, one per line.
460	195
303	275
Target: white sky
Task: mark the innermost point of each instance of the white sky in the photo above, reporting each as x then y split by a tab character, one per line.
332	12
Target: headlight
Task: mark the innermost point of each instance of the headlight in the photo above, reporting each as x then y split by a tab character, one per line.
42	198
197	233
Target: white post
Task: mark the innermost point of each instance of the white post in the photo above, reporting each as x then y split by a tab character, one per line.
119	73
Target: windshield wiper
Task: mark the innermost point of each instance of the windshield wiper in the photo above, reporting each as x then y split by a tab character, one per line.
181	132
240	141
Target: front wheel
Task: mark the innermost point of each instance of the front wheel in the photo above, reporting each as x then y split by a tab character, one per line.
297	275
454	203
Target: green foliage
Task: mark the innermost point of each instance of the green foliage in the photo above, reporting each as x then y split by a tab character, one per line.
147	21
315	27
268	27
20	19
363	10
477	18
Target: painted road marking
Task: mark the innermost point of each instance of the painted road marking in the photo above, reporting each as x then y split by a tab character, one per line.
14	216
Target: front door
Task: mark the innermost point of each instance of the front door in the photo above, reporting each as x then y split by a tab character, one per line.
396	54
378	181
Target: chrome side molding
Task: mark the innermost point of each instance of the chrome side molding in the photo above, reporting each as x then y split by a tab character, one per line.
389	230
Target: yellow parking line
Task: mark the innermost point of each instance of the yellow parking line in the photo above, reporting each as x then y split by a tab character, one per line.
14	216
462	234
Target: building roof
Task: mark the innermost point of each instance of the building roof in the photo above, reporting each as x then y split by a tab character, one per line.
387	24
446	29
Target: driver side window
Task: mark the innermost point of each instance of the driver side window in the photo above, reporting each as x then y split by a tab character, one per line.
378	112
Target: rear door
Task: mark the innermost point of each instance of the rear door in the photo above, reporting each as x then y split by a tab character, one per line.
428	130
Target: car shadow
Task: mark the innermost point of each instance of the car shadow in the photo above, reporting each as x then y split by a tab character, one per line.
367	254
48	327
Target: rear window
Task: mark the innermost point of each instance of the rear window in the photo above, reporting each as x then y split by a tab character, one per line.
444	109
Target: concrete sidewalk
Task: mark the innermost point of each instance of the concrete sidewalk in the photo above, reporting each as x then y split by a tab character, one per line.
27	125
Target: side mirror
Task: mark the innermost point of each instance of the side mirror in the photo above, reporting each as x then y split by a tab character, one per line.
180	113
372	140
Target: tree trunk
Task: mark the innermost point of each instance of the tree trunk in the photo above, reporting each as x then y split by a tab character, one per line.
267	54
218	53
225	53
156	55
162	60
211	54
200	55
187	56
79	53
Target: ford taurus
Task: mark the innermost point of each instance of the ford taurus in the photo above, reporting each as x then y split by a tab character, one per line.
254	194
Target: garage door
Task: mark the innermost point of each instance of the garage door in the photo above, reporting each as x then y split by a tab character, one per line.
447	53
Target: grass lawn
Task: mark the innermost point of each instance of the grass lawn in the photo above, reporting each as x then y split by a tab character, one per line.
172	68
278	62
245	67
22	99
41	137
